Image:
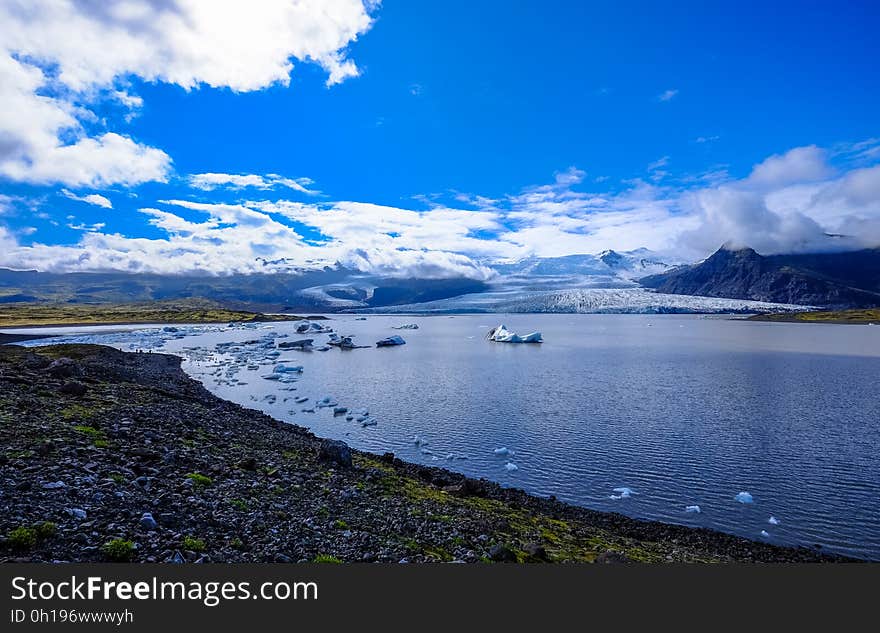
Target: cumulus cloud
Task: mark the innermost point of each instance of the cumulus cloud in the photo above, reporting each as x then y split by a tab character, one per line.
210	181
58	57
796	201
93	198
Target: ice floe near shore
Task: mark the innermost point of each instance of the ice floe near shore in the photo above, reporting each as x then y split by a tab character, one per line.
744	497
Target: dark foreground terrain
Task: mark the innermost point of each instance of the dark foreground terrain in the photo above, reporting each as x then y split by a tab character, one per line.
106	455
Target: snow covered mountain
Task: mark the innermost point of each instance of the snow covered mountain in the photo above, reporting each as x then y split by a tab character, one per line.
608	269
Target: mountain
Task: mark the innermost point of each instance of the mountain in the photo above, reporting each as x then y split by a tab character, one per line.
312	290
836	280
608	269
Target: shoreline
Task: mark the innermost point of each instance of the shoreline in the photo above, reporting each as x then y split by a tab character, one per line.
861	316
129	433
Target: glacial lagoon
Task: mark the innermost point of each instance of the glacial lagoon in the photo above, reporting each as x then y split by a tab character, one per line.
705	421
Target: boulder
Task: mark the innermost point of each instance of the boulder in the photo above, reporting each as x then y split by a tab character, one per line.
335	451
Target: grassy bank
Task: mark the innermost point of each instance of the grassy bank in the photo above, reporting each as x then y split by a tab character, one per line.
860	316
91	439
190	311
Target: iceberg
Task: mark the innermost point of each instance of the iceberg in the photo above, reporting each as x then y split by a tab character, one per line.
302	344
744	497
773	521
503	451
501	334
694	509
622	493
510	467
405	326
391	341
765	534
285	369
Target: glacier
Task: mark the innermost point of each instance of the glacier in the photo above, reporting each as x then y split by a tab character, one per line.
587	301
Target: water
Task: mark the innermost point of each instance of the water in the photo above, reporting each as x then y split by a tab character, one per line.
682	410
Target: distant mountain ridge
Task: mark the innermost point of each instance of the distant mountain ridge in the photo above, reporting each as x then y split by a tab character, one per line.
313	290
833	280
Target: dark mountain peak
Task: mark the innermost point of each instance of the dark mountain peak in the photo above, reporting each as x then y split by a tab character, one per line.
611	258
850	279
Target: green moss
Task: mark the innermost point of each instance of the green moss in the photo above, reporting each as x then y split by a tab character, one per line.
238	504
199	480
101	444
193	544
339	524
22	537
26	537
326	558
46	529
235	543
117	478
118	550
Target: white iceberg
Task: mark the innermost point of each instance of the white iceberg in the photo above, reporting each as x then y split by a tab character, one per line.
622	493
773	521
694	509
501	334
503	451
744	497
405	326
765	534
510	466
391	341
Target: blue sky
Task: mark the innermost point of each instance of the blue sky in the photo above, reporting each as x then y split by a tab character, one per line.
412	136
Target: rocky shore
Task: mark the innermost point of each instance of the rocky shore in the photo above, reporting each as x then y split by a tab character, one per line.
121	456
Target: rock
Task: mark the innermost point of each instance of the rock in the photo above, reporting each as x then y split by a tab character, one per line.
76	513
147	522
176	557
501	554
63	368
283	558
536	550
335	451
54	485
611	558
73	388
249	463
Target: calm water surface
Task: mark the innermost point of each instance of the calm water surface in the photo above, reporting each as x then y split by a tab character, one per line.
682	410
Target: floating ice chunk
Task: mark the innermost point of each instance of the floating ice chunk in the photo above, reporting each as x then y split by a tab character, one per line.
510	467
503	451
340	410
695	509
308	410
773	521
744	497
301	399
419	441
326	401
450	456
405	326
765	534
391	341
427	451
622	493
284	369
501	334
369	422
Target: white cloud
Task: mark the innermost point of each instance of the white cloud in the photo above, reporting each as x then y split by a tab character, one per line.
93	198
791	202
801	164
210	181
59	57
667	95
